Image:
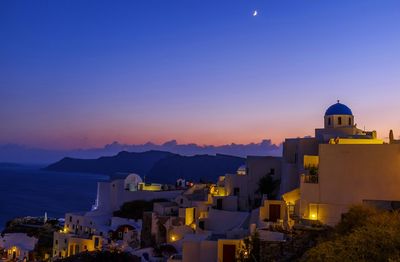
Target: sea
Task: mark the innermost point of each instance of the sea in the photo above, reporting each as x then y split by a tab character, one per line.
27	190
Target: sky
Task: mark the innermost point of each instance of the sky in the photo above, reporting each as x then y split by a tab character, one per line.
80	74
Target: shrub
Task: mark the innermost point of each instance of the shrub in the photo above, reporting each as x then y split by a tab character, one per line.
364	234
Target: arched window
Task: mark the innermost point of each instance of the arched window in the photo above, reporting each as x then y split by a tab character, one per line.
339	120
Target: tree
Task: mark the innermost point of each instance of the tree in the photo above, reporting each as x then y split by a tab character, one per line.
134	209
268	186
250	250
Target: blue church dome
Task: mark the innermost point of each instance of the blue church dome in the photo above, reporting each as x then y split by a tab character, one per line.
338	109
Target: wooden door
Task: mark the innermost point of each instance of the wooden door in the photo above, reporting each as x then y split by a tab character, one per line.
228	253
274	212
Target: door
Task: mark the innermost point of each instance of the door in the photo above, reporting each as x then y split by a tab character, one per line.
228	253
219	203
274	212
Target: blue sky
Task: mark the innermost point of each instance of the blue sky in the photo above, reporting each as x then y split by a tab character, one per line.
85	73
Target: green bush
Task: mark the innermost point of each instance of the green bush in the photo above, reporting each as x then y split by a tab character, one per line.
364	234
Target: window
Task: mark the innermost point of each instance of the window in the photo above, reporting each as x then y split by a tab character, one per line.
349	121
219	203
77	221
201	224
85	247
329	121
120	234
236	191
70	219
56	242
339	120
272	171
181	201
65	241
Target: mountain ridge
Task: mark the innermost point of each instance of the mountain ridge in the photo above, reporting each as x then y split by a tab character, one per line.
157	166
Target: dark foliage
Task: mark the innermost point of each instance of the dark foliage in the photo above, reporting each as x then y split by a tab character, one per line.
364	234
268	186
101	256
135	209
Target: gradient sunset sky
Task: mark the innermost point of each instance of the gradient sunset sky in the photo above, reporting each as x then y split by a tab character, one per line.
77	73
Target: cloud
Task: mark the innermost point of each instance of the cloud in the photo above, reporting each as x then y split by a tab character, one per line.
22	154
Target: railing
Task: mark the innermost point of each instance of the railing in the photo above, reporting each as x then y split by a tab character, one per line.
310	179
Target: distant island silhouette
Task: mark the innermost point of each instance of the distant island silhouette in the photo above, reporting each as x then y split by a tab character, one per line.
156	166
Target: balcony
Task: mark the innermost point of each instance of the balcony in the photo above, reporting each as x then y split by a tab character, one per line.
311	175
309	179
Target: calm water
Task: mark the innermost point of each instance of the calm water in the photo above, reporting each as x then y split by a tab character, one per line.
29	191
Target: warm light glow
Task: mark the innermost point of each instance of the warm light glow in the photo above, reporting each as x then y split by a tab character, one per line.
64	230
173	238
313	216
217	191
